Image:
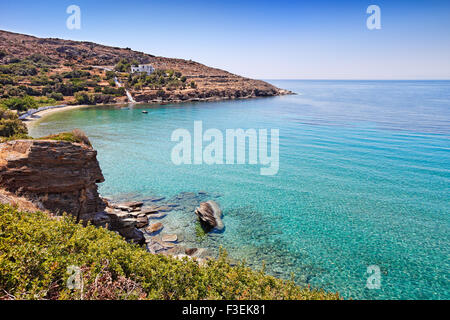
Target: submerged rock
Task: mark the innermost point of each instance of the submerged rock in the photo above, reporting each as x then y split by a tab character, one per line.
149	210
157	216
169	238
154	227
155	199
210	215
158	245
164	208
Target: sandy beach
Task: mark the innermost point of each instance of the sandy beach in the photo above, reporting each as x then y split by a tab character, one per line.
33	119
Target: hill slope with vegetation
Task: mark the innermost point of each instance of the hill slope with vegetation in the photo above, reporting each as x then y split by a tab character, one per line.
37	251
55	71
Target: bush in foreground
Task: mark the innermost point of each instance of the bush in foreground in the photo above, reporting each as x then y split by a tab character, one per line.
75	135
36	251
11	126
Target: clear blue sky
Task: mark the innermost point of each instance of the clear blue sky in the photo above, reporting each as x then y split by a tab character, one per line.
260	39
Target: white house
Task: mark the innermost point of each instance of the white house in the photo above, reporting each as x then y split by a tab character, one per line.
143	68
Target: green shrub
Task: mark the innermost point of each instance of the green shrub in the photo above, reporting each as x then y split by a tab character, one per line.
123	66
110	75
6	79
56	96
75	135
76	74
84	98
102	98
114	91
10	125
40	59
45	101
20	104
88	98
29	91
66	89
41	80
36	251
18	136
19	69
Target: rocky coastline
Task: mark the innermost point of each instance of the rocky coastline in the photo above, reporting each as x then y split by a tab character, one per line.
62	177
209	95
142	222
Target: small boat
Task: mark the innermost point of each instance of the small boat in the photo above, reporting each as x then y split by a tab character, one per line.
144	111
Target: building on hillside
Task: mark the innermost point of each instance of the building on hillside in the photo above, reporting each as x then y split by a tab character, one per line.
143	68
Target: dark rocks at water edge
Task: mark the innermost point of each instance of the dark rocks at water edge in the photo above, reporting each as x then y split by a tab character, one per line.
128	218
61	176
129	206
210	215
139	222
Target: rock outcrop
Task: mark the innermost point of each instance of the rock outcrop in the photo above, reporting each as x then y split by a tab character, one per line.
210	215
58	176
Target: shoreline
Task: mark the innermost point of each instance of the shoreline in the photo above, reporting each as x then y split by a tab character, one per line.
32	120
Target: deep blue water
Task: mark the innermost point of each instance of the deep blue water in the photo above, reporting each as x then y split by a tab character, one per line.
364	179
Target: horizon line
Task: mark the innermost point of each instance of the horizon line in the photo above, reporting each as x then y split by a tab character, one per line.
343	79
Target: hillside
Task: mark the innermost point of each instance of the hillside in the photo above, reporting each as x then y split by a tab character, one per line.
37	251
42	66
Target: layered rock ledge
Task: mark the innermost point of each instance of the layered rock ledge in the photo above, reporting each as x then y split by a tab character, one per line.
61	177
57	176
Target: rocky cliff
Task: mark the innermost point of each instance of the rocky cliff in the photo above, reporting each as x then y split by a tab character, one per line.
57	176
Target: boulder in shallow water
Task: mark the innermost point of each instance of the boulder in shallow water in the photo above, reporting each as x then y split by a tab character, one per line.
149	210
169	238
210	215
164	208
154	227
157	216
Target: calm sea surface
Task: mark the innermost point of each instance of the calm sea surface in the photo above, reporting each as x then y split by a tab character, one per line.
364	179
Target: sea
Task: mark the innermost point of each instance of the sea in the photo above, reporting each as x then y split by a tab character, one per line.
360	203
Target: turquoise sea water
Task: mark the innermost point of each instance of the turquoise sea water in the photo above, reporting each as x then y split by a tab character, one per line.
364	179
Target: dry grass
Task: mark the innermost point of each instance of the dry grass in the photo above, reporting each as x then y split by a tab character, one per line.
76	135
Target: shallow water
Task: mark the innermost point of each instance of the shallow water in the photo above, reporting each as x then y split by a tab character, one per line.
364	179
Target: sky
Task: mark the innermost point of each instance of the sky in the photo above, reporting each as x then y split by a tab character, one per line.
262	39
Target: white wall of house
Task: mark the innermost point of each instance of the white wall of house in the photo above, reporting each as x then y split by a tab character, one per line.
143	68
